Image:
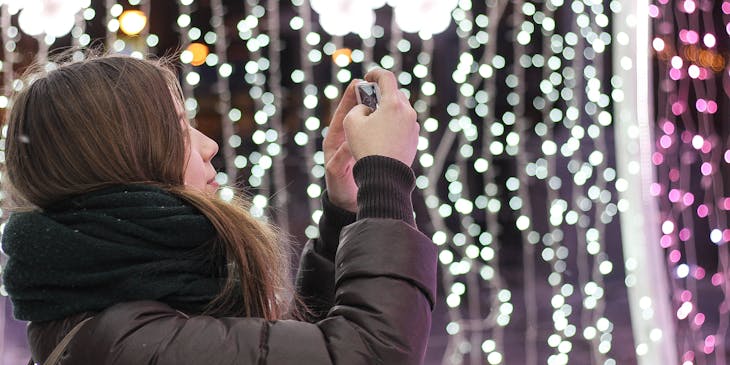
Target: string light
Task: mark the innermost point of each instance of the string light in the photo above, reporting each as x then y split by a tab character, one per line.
313	129
79	37
113	10
186	57
691	170
267	170
274	104
653	327
219	41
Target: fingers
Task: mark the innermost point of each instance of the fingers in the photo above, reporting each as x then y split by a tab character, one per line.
340	163
386	81
357	113
403	97
346	103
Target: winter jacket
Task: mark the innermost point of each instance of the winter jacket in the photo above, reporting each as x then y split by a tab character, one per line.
370	284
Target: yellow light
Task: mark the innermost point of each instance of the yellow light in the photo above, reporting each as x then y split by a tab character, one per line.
342	57
200	53
131	22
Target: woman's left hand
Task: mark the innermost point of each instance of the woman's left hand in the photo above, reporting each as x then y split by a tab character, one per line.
338	160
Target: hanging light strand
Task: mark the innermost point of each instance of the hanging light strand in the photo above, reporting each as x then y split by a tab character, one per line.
222	88
694	206
275	120
522	207
312	124
264	135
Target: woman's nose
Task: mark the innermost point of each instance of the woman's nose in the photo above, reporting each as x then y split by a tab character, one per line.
211	148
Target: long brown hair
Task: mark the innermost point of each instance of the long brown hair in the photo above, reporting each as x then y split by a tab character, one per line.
114	119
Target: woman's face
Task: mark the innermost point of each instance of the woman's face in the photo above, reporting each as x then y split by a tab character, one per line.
199	172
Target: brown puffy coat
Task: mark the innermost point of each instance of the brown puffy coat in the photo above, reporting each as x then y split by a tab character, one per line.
371	297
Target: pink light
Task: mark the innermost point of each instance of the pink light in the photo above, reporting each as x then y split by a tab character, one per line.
668	127
717	279
665	241
693	71
699	273
657	158
724	204
677	62
689	6
686	137
674	195
658	44
692	37
655	189
704	75
727	28
726	7
686	296
706	169
709	344
712	107
688	199
727	156
726	235
701	106
665	141
702	211
683	35
674	177
675	256
699	319
677	108
706	147
709	40
653	11
675	74
688	356
684	234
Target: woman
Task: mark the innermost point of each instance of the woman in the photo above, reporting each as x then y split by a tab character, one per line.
119	239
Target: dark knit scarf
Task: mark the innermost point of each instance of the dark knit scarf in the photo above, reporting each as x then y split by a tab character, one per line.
113	245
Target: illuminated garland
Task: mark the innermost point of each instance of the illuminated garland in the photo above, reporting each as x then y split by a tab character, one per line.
692	159
554	137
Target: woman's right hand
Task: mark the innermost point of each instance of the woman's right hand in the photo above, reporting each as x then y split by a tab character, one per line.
391	130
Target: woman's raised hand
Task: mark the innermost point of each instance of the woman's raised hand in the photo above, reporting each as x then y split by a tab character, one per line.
338	160
356	132
390	131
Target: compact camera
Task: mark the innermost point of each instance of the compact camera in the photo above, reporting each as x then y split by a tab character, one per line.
368	93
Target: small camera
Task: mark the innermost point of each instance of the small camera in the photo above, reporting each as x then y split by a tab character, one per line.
368	93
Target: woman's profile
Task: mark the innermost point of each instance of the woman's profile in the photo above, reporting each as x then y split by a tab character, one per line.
120	251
